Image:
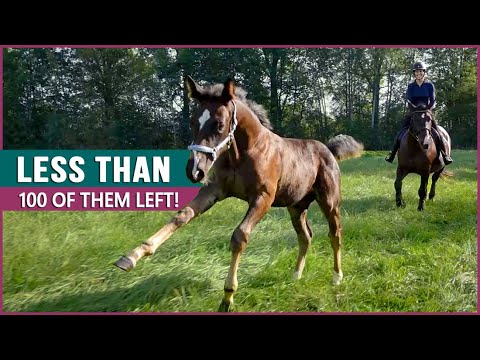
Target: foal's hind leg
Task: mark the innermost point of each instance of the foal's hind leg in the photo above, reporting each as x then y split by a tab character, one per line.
304	237
205	199
435	177
330	205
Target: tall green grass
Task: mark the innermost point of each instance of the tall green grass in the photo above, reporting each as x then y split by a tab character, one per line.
394	260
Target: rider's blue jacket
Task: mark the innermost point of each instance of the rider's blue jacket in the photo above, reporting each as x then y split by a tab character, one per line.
424	93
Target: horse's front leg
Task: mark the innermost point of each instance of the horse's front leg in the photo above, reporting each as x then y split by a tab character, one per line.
398	187
256	210
433	187
422	192
206	198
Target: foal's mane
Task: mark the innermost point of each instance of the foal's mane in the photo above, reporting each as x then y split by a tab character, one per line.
214	92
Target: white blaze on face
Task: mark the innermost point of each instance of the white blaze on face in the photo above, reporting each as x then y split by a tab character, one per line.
204	118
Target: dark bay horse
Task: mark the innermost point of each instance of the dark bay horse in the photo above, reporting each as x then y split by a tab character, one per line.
418	154
235	154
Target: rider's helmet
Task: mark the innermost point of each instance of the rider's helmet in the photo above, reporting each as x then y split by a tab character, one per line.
419	66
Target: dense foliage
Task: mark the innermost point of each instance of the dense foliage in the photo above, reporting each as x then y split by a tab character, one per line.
64	98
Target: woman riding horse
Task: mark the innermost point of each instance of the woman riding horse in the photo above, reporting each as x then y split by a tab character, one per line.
420	91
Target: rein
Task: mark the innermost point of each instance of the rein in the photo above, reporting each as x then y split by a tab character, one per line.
415	135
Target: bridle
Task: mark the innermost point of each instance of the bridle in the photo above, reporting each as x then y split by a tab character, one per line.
213	150
415	135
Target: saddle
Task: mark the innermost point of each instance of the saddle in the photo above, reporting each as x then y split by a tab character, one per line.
436	134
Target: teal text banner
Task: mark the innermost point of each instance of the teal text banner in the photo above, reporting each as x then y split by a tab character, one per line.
132	168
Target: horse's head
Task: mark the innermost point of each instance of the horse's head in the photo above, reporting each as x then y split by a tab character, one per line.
421	125
212	124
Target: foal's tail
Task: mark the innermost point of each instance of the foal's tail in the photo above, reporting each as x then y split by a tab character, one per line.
344	147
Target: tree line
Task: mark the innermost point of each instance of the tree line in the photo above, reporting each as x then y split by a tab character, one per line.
133	98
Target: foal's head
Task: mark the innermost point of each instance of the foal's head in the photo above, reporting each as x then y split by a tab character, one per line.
212	124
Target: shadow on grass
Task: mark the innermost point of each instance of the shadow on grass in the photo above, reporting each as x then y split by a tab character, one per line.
379	203
384	204
175	287
462	175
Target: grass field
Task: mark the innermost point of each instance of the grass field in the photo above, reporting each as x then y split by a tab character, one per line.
394	260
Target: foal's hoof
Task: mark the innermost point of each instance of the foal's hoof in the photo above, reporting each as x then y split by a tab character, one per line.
337	277
124	263
225	307
401	204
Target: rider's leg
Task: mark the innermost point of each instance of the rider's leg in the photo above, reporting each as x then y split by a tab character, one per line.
441	145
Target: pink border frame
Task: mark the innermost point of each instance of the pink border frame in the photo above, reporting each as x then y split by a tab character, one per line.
235	46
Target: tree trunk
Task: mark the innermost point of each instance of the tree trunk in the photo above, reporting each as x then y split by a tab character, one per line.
376	99
272	67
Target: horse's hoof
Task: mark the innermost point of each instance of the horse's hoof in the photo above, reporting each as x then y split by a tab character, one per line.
124	263
337	277
420	208
225	307
296	275
401	204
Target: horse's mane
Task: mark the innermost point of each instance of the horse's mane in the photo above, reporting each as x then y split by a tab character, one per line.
215	91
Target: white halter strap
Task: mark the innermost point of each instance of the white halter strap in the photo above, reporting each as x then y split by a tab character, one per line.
208	150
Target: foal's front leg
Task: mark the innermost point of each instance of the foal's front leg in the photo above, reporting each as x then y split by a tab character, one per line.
256	210
205	199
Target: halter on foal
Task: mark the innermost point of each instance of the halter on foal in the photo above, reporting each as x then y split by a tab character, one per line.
233	138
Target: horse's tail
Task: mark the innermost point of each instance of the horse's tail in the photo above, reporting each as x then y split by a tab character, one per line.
445	174
344	147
